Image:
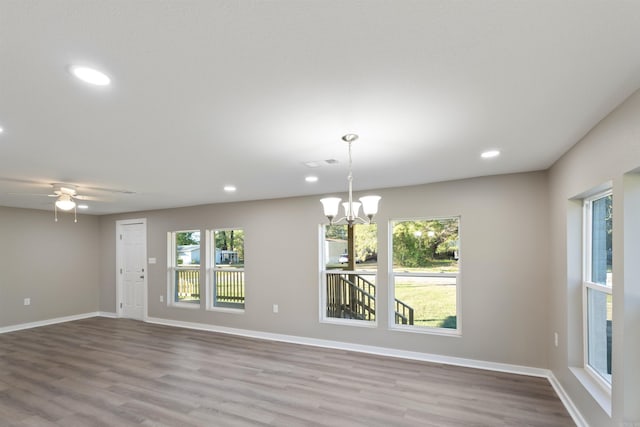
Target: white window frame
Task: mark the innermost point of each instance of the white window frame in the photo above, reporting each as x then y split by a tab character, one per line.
457	332
323	318
211	273
587	284
172	268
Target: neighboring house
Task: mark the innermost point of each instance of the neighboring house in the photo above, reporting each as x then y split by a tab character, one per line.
189	254
333	248
226	257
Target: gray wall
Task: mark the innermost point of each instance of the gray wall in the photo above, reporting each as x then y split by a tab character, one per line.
57	265
504	266
609	153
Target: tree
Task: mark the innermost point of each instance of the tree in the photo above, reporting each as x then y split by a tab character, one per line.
366	241
188	238
230	240
337	232
417	243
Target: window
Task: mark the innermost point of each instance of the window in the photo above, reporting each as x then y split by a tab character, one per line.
184	267
226	268
349	277
598	285
425	275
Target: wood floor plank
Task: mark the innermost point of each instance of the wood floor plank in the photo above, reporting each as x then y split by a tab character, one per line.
119	372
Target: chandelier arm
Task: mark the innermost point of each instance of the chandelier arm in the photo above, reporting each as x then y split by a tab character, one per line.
356	220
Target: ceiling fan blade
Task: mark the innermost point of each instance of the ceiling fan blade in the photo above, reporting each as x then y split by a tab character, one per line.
21	181
109	190
33	194
88	198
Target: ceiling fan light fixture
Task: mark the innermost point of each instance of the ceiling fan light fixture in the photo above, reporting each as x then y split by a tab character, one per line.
65	202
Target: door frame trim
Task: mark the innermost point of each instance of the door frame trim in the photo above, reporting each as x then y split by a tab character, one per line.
120	264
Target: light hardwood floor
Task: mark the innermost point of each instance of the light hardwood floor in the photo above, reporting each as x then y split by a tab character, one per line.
118	372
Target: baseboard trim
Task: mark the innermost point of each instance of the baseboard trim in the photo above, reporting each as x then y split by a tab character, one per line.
566	401
107	314
46	322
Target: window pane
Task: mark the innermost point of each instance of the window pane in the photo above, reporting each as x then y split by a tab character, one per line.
601	245
187	248
228	277
429	246
599	332
351	296
336	251
425	301
187	285
187	270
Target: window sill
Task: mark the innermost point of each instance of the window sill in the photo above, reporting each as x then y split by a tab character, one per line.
600	394
191	305
226	310
455	333
349	322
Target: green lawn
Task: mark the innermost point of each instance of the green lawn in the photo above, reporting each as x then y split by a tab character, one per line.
432	266
434	304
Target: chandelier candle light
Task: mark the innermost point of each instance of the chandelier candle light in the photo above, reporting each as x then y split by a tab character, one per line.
369	204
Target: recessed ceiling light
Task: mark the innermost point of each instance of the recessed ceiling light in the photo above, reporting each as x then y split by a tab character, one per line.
1	130
91	75
490	154
83	206
311	178
229	188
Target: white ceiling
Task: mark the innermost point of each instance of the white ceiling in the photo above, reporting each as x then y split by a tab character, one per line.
208	93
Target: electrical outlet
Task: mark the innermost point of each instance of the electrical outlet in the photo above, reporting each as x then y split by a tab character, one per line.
161	298
27	301
275	308
555	338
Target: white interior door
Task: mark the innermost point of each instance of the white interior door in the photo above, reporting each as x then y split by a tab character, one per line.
133	243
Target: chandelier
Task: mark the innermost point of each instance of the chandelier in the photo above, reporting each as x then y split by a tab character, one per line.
369	204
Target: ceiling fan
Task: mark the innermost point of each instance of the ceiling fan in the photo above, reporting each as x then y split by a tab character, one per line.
66	195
